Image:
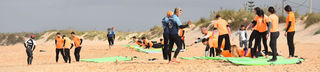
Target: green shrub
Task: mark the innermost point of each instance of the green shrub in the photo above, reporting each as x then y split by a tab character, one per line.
312	19
282	19
318	32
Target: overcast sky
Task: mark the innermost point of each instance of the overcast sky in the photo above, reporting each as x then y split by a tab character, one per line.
124	15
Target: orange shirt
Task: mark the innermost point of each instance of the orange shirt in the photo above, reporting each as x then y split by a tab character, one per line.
291	18
262	24
221	25
76	41
147	42
255	19
181	32
274	23
59	44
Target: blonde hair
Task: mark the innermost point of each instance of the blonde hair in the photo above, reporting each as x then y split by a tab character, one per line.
234	51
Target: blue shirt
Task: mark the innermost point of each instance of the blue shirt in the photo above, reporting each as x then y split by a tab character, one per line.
165	22
176	19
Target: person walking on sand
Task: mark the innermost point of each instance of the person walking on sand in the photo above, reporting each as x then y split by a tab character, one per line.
274	33
290	30
111	37
165	22
30	45
174	25
67	46
59	47
77	43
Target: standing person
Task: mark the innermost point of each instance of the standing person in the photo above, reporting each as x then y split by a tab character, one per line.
174	25
59	47
30	45
263	28
274	31
77	43
181	34
111	37
243	37
224	32
252	25
290	30
67	46
165	22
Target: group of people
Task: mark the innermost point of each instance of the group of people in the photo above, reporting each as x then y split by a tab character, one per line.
216	40
172	35
262	26
63	45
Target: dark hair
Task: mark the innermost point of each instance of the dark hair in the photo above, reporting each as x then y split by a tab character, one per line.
218	16
257	9
242	25
204	40
134	37
271	10
288	8
58	33
143	38
260	13
63	36
73	33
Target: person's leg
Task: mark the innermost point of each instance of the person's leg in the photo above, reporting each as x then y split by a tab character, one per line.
165	47
220	38
245	44
178	43
63	55
241	43
211	52
169	51
78	59
264	41
112	42
257	44
251	38
57	55
30	56
227	42
273	44
183	44
290	38
206	51
67	52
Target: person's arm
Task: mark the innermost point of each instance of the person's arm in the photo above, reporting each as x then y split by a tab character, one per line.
235	35
247	35
25	45
229	30
269	27
55	42
64	43
81	41
289	25
34	47
71	46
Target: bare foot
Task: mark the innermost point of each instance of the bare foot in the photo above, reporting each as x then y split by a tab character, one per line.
175	60
170	62
266	56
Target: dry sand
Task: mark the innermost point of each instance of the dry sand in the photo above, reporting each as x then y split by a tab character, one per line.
13	58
